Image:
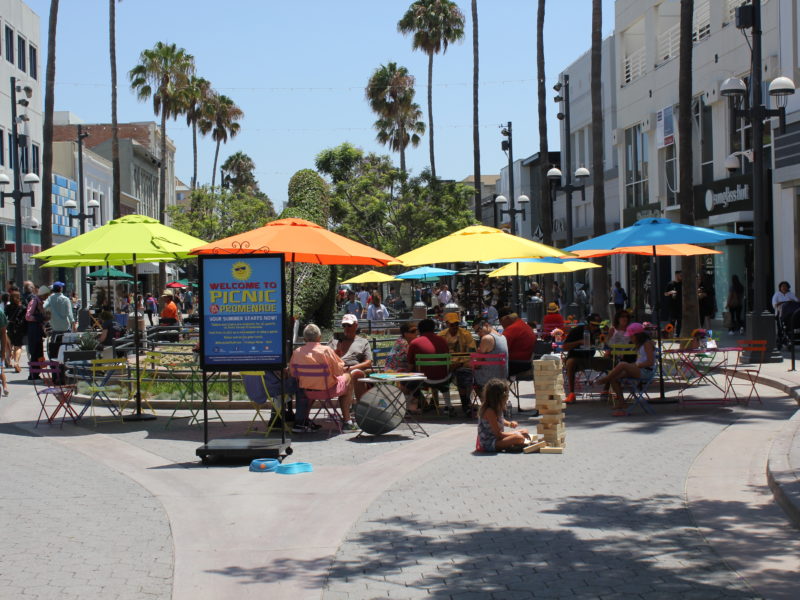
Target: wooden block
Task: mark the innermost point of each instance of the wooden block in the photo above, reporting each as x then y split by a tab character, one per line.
556	418
546	365
555	431
551	411
551	450
535	447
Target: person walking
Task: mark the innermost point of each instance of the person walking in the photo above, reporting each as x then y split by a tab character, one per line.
61	318
618	297
35	318
735	304
674	293
17	327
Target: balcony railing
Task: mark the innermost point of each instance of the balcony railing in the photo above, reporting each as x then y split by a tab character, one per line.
669	44
635	65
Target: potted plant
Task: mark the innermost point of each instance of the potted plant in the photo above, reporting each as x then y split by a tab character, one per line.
86	348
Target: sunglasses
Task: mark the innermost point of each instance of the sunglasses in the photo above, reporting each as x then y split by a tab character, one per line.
349	324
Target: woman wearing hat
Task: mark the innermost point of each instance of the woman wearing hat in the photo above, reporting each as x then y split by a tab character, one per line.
553	319
641	369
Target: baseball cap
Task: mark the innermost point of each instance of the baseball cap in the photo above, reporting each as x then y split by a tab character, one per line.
633	329
43	290
452	317
59	284
349	319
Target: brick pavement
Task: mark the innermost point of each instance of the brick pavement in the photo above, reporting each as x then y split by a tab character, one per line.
73	528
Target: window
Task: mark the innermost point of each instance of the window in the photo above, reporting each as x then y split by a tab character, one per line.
35	158
701	118
2	148
636	167
10	151
21	53
23	159
9	44
670	178
34	62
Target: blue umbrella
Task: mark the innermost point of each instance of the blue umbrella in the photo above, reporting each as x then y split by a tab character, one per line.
425	273
656	232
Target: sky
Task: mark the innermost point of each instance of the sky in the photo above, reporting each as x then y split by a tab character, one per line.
298	70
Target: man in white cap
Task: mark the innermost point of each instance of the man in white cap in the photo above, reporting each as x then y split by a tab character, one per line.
356	354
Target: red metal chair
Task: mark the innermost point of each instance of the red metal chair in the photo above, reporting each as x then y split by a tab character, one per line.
53	395
320	398
747	374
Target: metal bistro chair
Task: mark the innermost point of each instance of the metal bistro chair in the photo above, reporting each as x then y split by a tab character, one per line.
105	378
53	395
747	375
320	398
423	361
638	395
255	386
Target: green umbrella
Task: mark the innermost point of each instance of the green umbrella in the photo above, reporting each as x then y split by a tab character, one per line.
111	273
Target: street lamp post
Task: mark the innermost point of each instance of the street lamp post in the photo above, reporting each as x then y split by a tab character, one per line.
29	178
500	201
761	322
81	215
554	175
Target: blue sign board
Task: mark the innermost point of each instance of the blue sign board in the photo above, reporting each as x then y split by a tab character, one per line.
242	312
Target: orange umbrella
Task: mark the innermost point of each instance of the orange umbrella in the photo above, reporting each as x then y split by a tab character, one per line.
662	250
299	241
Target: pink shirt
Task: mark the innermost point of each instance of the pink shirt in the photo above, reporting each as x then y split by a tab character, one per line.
314	353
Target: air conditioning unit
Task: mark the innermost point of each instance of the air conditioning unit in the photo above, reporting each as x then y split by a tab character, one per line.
616	137
770	64
712	94
649	122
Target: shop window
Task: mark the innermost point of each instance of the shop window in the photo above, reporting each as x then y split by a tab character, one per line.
35	158
704	133
34	62
21	54
669	160
636	167
9	44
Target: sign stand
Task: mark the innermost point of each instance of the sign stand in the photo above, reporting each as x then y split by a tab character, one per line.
252	342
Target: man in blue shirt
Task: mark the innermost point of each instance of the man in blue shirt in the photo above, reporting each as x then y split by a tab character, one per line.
62	319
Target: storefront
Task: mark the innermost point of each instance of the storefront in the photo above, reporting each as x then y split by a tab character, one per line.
727	205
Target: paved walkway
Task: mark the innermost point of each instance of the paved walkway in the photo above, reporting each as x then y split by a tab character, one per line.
674	505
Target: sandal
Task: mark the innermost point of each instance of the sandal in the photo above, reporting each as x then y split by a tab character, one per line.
5	391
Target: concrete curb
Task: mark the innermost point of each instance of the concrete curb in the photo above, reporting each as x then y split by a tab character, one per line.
783	478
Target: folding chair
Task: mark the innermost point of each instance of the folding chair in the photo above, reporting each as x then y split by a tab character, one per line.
515	379
478	360
255	386
105	378
53	395
423	361
379	356
637	395
320	397
750	373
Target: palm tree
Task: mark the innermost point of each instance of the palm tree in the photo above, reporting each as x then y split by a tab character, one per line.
390	93
476	137
47	134
434	24
162	73
116	192
544	152
691	309
239	168
221	123
599	277
196	98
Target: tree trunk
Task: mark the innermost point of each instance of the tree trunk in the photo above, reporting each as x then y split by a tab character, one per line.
476	137
430	115
194	151
546	213
47	134
691	310
116	192
162	192
402	152
600	286
214	170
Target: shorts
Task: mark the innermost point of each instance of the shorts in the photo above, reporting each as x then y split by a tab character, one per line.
340	388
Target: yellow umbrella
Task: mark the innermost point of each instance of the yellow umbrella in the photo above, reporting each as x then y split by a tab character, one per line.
525	269
371	277
478	243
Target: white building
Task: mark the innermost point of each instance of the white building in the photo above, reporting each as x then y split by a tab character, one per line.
20	60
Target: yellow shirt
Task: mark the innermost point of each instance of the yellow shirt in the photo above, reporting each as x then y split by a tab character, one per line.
461	342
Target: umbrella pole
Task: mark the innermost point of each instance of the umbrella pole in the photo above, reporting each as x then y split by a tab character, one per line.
108	287
137	416
658	328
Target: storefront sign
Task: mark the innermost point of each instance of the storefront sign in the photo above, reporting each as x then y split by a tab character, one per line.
728	195
635	213
665	129
243	312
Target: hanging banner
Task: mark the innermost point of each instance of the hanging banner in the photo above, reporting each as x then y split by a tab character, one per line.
665	128
242	312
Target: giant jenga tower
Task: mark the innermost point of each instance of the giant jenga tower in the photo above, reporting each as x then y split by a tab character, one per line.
548	383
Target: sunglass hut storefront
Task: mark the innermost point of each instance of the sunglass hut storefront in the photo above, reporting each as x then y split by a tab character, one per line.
727	205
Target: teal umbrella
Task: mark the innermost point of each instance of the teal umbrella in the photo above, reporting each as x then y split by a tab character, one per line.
110	273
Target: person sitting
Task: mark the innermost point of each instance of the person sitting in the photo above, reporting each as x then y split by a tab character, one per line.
169	313
430	343
520	338
491	342
397	362
110	330
459	341
355	351
491	423
577	359
617	334
339	382
553	319
783	296
642	369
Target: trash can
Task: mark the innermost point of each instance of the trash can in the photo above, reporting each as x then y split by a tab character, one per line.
535	312
420	311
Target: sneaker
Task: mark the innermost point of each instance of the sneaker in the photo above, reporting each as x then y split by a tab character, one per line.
350	426
299	429
570	398
313	426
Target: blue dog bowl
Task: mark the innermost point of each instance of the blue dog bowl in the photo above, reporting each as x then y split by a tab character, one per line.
294	468
264	465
